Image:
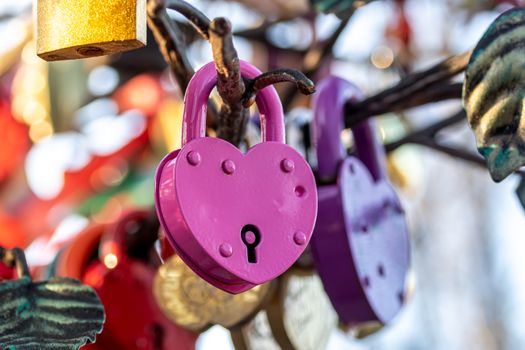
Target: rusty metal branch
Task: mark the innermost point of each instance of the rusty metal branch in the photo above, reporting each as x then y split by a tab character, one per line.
427	132
451	151
237	93
259	35
427	137
233	116
194	16
317	55
253	86
360	111
170	41
415	89
230	85
314	59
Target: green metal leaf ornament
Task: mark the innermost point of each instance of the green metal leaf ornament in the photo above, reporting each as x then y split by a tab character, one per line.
58	314
493	93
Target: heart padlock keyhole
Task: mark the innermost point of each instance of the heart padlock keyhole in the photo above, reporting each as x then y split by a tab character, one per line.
251	237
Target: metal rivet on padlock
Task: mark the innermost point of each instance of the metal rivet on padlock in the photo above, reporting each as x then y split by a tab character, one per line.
287	165
226	250
299	238
228	166
257	208
194	158
72	29
360	244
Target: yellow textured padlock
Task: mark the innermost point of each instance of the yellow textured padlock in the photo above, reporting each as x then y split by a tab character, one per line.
72	29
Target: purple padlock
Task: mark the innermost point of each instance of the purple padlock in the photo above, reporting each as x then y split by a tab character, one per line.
360	243
237	220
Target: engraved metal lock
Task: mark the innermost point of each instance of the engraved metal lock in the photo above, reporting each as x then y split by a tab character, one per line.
237	220
194	304
360	244
73	29
298	316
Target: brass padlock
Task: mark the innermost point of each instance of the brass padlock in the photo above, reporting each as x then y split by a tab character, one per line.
194	304
72	29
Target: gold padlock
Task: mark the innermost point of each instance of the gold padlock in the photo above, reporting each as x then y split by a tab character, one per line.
72	29
194	304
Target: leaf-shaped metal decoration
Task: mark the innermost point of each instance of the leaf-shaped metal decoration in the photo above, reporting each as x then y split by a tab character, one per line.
493	93
59	314
339	7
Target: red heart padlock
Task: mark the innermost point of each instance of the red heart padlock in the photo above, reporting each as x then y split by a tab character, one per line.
124	284
75	257
6	273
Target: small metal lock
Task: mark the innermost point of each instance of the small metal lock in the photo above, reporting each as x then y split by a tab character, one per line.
255	335
300	314
73	29
360	245
194	304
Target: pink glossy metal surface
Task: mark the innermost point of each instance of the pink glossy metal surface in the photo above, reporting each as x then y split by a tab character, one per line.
210	197
360	243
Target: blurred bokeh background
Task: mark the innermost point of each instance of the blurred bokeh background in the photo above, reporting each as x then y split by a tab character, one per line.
79	142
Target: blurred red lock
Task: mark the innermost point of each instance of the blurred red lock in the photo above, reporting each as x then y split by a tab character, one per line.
75	257
166	250
124	284
6	273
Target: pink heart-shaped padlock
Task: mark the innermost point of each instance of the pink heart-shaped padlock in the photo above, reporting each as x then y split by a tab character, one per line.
237	220
360	244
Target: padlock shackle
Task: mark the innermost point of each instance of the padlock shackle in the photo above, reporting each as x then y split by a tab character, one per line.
196	105
76	256
369	149
329	105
